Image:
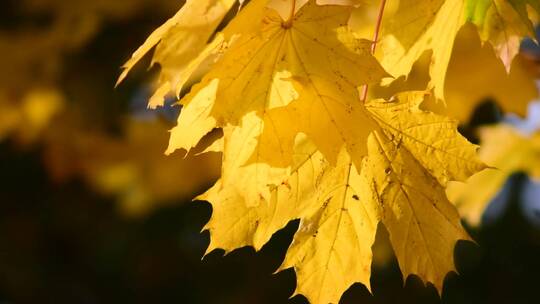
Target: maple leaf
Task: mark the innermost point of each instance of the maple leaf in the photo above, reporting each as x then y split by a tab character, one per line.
401	184
181	45
256	67
331	250
409	163
423	225
503	23
504	148
271	61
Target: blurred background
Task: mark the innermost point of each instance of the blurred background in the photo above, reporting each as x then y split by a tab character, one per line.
91	211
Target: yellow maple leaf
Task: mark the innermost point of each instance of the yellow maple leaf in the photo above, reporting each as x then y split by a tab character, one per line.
332	248
401	183
257	66
263	64
409	165
422	223
504	148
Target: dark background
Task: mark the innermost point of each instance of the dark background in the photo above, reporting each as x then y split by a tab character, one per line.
63	243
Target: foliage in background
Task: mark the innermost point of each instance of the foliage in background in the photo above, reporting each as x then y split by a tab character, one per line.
44	101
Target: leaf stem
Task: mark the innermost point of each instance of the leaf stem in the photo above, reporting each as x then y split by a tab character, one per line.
374	45
289	21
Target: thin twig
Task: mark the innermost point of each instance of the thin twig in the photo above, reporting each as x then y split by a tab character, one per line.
375	40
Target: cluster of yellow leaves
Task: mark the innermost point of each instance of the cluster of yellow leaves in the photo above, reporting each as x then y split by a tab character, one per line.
282	80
